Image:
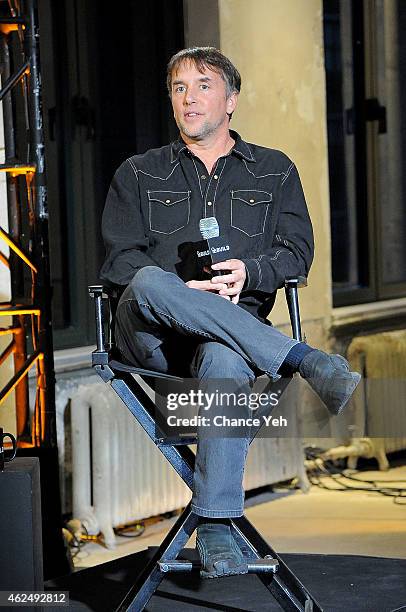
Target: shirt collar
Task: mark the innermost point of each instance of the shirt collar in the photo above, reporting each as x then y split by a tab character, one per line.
241	148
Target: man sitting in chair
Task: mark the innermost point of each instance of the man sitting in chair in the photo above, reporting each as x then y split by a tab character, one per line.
212	328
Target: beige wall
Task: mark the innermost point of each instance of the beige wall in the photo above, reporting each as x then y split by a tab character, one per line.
278	48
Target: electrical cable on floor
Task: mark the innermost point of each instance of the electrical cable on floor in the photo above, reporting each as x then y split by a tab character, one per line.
326	469
76	540
130	531
77	536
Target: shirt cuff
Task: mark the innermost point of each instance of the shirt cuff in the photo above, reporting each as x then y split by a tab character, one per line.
254	275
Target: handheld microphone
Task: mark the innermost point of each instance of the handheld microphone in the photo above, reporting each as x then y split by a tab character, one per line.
218	247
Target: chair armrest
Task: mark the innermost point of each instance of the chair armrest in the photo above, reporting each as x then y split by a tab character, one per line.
104	317
106	291
292	283
97	292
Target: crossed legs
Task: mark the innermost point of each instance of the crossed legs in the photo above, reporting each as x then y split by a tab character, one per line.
160	325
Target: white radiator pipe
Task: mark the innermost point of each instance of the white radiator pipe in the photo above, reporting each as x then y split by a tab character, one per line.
88	403
104	438
81	456
368	448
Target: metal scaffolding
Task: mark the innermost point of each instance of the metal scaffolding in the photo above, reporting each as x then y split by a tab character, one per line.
29	307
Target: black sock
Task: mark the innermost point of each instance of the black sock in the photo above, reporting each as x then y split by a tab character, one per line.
203	520
294	358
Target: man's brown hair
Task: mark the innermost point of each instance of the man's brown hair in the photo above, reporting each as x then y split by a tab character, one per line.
206	57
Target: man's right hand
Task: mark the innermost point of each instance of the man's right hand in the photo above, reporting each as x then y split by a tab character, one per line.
207	285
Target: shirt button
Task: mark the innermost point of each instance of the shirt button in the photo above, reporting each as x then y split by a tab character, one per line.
167	201
252	201
215	177
209	203
203	176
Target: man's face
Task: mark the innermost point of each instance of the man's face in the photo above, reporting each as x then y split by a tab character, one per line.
199	102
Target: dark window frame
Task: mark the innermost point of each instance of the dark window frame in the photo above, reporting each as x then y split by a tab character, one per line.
86	46
367	172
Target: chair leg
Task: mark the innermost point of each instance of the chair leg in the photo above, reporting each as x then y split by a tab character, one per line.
150	578
284	585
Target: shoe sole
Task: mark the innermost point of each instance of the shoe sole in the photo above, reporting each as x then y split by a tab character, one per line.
356	379
213	567
236	571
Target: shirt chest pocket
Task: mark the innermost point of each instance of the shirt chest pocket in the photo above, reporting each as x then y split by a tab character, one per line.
249	210
169	211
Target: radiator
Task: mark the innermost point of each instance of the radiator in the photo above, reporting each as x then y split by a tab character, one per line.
380	402
119	476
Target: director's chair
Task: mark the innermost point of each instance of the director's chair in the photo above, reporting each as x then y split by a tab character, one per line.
262	560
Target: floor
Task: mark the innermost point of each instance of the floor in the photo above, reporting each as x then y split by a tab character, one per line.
321	521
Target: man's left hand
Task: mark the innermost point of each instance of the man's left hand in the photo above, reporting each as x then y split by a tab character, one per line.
235	279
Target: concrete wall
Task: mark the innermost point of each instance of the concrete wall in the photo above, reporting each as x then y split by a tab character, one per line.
201	23
278	48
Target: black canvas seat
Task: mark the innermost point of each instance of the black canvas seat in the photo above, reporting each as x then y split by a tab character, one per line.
262	560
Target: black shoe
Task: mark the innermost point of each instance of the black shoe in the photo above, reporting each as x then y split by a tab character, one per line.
219	552
330	377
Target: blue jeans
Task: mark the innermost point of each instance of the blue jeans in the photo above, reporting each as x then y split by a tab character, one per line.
163	325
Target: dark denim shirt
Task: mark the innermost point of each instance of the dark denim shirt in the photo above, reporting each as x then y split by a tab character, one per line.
156	200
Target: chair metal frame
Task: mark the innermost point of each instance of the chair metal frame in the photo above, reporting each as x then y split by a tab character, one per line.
262	560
